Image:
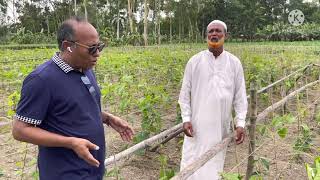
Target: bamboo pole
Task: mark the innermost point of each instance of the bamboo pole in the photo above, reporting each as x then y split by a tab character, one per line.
271	108
252	130
223	144
282	79
168	138
141	145
188	171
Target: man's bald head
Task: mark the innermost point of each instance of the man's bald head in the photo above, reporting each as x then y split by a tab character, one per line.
67	31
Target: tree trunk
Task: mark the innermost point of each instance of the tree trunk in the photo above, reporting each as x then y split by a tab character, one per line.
85	10
48	25
179	31
196	31
145	23
170	30
130	11
96	14
13	11
75	7
159	34
158	22
190	30
118	21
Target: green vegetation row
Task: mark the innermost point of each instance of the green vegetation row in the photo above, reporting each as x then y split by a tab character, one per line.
148	80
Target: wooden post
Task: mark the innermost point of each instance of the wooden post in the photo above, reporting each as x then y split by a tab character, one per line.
252	129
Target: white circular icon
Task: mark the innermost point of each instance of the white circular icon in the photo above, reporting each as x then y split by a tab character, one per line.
296	17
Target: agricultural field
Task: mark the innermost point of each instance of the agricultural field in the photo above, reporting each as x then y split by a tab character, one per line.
141	85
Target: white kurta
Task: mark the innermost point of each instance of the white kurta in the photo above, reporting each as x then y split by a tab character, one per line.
211	87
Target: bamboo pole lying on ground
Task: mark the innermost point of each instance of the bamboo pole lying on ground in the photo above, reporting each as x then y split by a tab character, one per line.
141	145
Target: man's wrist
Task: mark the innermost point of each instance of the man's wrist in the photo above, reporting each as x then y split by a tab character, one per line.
70	142
241	123
107	119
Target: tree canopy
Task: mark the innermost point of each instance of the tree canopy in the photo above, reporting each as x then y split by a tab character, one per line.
141	22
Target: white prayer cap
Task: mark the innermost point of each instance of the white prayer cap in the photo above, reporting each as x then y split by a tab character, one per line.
218	22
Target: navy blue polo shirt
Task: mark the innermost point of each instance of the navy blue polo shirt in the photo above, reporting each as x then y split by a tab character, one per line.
55	98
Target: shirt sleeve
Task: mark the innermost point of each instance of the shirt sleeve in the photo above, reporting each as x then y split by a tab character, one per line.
34	101
240	102
185	94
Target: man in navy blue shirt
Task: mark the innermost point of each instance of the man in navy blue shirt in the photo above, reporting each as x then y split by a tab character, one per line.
60	109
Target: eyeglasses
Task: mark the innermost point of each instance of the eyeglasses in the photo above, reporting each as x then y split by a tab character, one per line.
91	49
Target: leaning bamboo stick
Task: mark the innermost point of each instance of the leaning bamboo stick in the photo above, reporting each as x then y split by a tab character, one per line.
188	171
271	108
141	145
282	79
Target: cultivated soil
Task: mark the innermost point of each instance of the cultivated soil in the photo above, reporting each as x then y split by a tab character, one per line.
18	160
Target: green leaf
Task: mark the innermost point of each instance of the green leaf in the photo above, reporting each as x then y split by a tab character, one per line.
35	175
140	137
170	173
231	176
305	128
276	121
310	172
290	118
282	132
114	172
265	163
317	163
256	177
262	130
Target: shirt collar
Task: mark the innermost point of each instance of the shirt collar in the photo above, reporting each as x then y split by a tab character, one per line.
211	54
61	64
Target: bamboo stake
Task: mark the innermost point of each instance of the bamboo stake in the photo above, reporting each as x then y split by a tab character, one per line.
252	130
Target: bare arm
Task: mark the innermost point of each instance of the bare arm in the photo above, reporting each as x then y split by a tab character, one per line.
121	126
185	101
25	132
240	105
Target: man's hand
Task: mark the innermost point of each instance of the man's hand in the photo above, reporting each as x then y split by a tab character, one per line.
81	147
187	129
240	134
122	127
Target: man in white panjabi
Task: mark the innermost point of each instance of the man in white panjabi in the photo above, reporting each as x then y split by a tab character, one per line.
213	84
